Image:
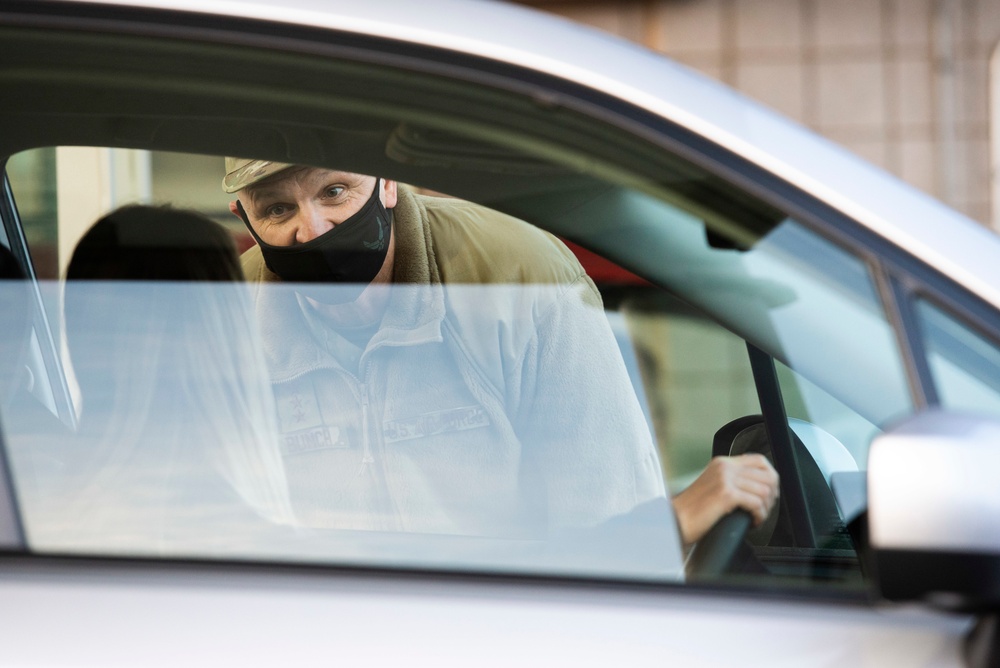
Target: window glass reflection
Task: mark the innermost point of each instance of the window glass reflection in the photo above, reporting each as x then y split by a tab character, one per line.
965	365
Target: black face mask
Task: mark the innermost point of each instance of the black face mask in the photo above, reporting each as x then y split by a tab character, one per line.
352	252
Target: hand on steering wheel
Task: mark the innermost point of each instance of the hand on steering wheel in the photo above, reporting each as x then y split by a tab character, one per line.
744	488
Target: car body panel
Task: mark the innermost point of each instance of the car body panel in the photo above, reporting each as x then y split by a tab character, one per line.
125	613
161	616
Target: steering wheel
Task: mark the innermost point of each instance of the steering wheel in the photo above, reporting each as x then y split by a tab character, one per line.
715	553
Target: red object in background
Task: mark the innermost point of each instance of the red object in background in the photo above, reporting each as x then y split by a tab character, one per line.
604	271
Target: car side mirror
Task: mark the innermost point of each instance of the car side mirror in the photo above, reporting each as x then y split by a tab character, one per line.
934	511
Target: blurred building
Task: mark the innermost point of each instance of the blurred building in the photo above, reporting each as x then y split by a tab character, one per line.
910	85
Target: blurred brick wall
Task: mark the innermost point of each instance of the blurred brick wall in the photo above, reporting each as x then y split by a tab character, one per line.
903	83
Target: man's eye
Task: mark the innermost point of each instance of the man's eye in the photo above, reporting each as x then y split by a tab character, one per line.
276	210
334	191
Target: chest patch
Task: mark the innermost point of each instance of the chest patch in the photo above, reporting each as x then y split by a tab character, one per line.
298	406
437	422
302	425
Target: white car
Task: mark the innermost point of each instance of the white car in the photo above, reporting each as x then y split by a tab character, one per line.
761	291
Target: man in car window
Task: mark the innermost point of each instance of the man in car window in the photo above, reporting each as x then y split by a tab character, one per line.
442	367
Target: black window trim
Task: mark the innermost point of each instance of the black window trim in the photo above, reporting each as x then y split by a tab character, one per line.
772	406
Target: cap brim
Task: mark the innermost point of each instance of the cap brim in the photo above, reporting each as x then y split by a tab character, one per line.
251	173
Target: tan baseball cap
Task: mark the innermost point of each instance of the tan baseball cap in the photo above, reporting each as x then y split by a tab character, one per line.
242	172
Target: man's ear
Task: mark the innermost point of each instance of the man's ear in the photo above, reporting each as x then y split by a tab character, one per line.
235	210
388	193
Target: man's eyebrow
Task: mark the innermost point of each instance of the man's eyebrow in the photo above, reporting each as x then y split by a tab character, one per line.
261	193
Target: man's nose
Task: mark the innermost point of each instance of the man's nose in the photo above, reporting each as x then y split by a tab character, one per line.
313	222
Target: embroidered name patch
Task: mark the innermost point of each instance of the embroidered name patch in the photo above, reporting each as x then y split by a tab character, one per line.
307	440
438	422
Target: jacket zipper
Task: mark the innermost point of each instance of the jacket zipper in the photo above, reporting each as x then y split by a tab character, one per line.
368	455
367	458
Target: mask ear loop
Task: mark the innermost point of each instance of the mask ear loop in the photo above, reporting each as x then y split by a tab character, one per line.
260	242
246	221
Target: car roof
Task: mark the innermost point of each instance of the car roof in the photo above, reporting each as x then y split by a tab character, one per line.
939	236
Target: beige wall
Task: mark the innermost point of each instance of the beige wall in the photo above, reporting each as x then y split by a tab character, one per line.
903	83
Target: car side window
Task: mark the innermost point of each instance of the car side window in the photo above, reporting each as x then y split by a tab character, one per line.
964	364
679	319
806	401
344	466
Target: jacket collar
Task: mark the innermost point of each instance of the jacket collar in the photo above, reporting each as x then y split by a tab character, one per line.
413	316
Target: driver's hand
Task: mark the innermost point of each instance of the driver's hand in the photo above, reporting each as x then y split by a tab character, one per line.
727	483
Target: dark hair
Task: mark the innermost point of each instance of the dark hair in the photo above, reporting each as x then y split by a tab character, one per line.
138	277
162	338
155	243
